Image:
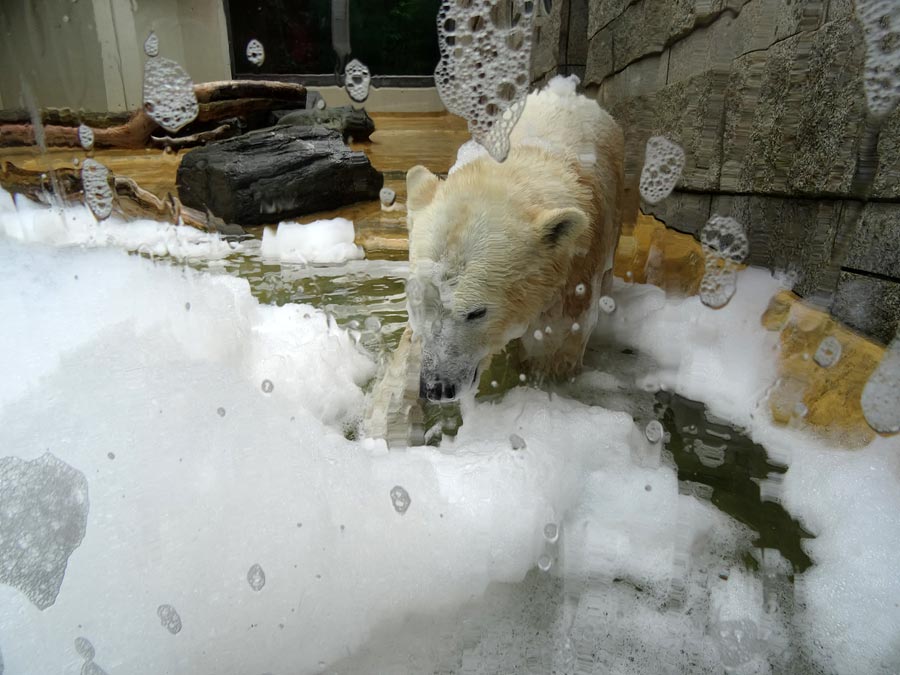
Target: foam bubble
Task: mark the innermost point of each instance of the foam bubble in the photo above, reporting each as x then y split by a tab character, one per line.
256	53
357	79
97	192
151	45
725	244
829	351
85	136
881	394
663	164
880	20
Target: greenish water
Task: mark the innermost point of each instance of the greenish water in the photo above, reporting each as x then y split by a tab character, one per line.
715	461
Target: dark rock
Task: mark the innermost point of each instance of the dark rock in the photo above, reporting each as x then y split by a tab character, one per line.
273	174
351	123
683	211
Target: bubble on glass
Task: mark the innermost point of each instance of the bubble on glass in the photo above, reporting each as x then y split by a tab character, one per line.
483	73
663	164
737	642
97	192
607	304
76	161
84	648
357	79
800	410
372	324
111	455
881	393
517	442
267	386
220	412
85	136
828	352
545	562
320	104
522	377
576	327
551	532
256	577
880	21
45	506
580	290
387	196
169	98
494	384
400	499
256	53
169	618
725	245
538	335
151	45
654	431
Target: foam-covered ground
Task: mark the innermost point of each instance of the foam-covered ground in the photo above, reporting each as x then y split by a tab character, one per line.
210	514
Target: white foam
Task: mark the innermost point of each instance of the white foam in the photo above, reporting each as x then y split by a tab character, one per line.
27	221
847	499
321	241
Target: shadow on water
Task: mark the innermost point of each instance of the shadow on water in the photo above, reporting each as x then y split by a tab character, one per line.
733	476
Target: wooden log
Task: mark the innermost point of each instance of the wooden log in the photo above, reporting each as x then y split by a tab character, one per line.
273	174
247	100
132	201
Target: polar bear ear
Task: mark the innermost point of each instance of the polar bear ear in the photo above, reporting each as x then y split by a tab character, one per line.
559	227
421	185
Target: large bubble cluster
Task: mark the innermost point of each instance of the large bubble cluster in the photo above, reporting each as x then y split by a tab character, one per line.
663	163
725	245
169	98
483	73
880	20
357	79
881	395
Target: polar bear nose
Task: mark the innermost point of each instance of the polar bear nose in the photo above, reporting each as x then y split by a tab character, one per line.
436	390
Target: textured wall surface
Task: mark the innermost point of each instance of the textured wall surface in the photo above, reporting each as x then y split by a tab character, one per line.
766	98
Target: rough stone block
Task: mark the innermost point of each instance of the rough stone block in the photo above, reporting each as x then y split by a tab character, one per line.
689	113
788	235
545	48
683	211
875	243
887	180
602	12
794	114
868	304
577	33
640	78
599	57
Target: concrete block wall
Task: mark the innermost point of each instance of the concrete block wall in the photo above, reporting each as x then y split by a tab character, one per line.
766	97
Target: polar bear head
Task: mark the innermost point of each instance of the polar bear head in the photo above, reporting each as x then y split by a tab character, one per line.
490	250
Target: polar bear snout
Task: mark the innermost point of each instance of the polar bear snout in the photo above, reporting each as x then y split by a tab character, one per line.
436	390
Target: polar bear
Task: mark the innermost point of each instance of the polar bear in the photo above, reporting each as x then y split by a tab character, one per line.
521	249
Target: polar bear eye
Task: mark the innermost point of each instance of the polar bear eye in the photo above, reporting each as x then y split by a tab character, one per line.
476	314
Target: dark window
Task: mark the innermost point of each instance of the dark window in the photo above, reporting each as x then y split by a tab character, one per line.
391	37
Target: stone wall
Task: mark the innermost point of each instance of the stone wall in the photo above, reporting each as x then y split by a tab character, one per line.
766	98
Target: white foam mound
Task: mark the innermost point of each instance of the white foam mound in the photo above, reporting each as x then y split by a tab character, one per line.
321	241
24	220
849	601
